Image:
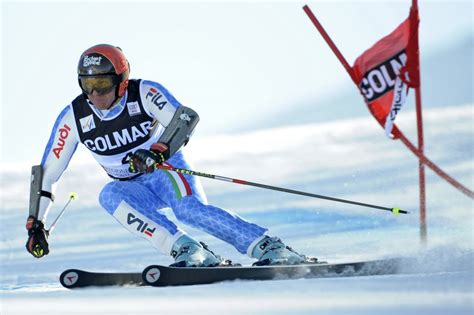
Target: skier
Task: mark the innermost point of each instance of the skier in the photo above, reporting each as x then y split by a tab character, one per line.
129	126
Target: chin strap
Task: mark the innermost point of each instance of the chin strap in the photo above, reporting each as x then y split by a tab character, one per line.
114	102
117	97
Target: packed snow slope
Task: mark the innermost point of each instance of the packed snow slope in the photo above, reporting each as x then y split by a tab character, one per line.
349	159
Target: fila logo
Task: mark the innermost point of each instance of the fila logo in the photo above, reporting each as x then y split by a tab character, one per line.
142	226
87	123
91	61
63	134
155	97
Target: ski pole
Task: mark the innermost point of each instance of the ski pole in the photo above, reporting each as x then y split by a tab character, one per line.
72	196
290	191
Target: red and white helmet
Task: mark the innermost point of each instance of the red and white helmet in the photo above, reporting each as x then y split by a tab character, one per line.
104	60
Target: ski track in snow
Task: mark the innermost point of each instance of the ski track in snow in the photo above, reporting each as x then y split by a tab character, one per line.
349	159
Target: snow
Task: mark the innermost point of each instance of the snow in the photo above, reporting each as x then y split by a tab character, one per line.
380	295
349	159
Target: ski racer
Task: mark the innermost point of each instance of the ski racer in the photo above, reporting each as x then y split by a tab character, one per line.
129	125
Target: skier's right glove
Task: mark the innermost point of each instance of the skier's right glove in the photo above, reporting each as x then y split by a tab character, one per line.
37	244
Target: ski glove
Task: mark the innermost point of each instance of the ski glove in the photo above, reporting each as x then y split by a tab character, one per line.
143	161
37	244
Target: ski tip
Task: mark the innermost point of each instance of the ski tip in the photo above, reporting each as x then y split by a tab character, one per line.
151	275
69	278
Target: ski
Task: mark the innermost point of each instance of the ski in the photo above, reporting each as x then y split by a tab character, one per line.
161	276
75	278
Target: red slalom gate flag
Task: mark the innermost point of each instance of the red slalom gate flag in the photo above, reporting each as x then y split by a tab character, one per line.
385	72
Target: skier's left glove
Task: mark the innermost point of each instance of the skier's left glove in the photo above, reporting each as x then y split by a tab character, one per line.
37	244
143	161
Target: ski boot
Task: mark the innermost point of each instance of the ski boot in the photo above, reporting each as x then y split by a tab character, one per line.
189	253
272	251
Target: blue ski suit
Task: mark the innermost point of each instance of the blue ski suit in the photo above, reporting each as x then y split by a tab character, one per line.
136	121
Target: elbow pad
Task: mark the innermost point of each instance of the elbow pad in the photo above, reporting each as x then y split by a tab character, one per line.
179	129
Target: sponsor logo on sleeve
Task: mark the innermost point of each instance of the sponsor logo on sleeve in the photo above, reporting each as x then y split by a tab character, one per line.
156	98
63	135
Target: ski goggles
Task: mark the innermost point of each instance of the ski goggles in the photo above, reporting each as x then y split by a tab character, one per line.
102	84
